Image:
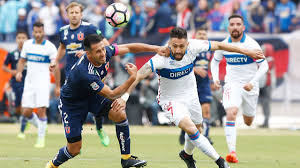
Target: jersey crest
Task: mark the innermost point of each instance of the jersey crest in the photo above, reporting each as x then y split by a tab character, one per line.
80	36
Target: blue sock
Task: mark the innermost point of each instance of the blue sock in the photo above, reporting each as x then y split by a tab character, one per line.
23	121
99	121
206	126
122	130
62	156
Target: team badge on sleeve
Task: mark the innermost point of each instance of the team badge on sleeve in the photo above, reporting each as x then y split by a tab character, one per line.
95	86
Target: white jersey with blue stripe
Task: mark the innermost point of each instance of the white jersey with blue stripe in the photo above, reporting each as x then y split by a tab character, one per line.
176	78
240	68
38	58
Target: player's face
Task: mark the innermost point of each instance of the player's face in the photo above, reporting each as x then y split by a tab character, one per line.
74	15
38	33
236	27
178	47
20	39
98	53
201	35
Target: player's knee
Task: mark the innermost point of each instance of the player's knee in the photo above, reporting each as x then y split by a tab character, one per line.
74	148
117	116
26	112
231	113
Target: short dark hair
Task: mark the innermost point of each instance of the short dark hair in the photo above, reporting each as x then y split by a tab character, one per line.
92	39
22	31
178	32
236	16
202	28
38	24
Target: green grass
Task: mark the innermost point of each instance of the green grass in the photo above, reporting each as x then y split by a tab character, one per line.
256	148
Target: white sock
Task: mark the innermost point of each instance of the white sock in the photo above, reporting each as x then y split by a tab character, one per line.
203	144
230	133
34	120
42	127
188	145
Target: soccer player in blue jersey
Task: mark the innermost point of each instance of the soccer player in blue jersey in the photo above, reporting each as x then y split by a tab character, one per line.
201	64
83	83
71	45
12	59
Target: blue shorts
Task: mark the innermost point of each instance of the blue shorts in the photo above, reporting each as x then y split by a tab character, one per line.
74	114
97	105
18	91
204	94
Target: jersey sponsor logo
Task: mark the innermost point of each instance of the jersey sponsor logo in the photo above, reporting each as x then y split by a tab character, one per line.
177	72
237	59
80	36
95	86
74	46
38	58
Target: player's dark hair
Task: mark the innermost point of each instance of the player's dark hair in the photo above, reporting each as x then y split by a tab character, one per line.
202	28
178	32
92	39
22	31
236	16
38	24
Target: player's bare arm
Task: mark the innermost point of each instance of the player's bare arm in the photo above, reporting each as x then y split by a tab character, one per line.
141	74
200	71
263	68
140	47
61	51
117	92
20	68
255	54
11	71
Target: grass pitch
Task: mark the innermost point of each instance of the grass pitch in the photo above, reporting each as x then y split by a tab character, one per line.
256	148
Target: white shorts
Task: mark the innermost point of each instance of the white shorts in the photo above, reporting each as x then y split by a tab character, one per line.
177	110
35	97
237	96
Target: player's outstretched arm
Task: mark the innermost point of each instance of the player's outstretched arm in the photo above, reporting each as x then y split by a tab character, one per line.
141	74
20	68
61	51
255	54
117	92
140	47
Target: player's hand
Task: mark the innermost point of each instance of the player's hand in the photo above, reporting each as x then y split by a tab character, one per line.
164	51
19	76
131	69
118	105
13	72
256	54
57	91
217	85
52	66
79	53
200	71
248	87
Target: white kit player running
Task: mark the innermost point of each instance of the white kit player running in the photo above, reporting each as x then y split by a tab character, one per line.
38	53
177	94
241	81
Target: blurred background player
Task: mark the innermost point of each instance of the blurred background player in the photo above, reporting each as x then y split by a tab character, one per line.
203	84
38	53
12	59
71	45
84	81
267	83
241	80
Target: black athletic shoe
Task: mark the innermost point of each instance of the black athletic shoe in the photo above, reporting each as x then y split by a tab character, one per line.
222	163
188	159
133	162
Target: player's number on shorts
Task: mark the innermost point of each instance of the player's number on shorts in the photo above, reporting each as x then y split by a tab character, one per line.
65	118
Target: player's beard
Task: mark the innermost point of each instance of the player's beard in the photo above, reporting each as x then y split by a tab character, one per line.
236	34
178	56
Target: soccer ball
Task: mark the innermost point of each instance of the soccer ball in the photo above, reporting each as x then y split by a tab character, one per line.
117	15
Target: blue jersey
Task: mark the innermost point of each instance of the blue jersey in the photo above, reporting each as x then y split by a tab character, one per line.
202	61
73	41
84	79
12	59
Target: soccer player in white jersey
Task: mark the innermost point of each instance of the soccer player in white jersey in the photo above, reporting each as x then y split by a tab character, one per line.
241	80
38	53
177	94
